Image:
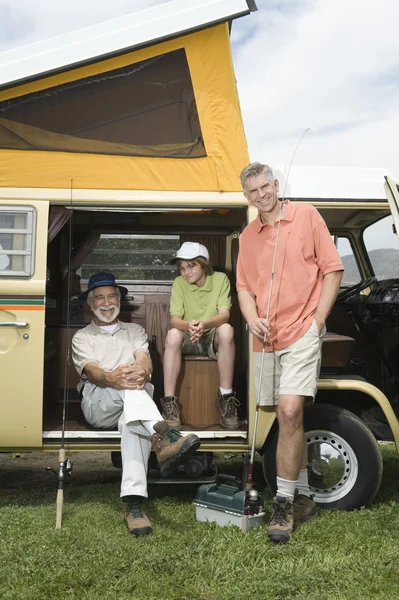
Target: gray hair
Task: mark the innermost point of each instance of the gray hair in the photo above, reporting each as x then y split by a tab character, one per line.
254	169
89	298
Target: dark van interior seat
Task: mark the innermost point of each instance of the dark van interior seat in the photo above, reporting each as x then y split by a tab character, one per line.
336	351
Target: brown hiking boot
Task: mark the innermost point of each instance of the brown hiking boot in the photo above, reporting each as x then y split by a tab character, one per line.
305	508
282	520
171	448
137	521
227	405
170	411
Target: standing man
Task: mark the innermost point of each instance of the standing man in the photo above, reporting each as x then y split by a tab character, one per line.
113	361
306	280
199	317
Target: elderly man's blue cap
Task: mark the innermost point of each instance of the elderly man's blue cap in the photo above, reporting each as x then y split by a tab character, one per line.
101	279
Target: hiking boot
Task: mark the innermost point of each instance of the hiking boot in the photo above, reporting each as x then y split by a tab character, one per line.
282	520
305	508
171	448
137	521
227	405
170	411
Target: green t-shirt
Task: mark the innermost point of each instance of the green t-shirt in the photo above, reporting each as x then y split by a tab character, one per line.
191	302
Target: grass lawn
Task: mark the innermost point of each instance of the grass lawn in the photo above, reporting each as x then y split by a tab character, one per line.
344	556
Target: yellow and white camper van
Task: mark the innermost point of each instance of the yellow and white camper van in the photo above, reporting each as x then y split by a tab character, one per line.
117	144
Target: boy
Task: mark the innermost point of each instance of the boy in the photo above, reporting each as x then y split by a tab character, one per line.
200	310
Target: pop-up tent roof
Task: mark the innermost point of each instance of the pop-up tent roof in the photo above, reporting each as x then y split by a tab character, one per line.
144	102
315	183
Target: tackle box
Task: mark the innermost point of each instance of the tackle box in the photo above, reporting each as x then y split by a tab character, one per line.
223	502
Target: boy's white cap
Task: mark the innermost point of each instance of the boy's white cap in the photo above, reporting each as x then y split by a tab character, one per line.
190	251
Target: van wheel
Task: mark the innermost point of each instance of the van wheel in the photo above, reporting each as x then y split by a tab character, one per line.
344	460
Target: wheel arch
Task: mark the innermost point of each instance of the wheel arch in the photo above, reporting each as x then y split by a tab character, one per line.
330	391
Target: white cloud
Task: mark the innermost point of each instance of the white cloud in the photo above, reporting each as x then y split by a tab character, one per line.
333	66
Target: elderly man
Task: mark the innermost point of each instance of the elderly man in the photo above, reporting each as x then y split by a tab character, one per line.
289	244
113	361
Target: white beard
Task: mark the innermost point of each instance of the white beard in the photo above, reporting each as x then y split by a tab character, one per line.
107	314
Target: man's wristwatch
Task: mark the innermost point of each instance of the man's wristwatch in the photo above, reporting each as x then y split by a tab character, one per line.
148	374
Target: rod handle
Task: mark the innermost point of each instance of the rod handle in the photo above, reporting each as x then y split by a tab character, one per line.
59	504
244	524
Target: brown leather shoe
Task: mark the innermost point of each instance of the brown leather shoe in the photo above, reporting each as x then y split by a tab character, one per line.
171	448
227	406
305	508
282	520
170	412
137	521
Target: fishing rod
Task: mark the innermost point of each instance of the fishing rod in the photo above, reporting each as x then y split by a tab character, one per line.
65	464
253	500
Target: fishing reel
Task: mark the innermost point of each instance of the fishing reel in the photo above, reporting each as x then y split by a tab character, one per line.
253	502
65	468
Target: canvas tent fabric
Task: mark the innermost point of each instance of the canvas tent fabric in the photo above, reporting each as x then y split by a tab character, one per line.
166	117
144	109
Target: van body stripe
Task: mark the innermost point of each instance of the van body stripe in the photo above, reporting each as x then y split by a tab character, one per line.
10	303
21	307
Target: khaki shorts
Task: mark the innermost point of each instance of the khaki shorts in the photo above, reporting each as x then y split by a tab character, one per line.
203	347
294	370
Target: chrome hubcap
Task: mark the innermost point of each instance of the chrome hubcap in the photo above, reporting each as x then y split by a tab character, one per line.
332	466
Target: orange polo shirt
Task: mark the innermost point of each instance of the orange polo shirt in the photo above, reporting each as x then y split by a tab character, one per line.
305	253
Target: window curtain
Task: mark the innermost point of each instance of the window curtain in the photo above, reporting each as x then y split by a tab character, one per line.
83	245
59	215
216	245
234	259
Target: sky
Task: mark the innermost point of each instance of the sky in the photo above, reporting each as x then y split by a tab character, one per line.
329	66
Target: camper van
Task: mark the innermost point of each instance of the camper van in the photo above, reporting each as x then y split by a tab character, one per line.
117	144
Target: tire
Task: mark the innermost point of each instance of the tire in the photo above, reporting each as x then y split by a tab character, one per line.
344	459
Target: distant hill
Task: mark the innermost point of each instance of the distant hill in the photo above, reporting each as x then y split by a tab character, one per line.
385	263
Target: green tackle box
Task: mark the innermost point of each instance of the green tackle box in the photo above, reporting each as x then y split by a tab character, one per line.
223	502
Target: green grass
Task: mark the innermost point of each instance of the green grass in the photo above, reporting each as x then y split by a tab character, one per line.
346	556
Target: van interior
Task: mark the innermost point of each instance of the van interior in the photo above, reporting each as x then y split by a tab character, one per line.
136	244
133	244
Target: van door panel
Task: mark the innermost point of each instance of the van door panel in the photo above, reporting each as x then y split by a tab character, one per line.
22	328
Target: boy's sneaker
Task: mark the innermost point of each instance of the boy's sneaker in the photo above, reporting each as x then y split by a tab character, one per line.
227	406
170	411
305	508
282	520
137	521
171	448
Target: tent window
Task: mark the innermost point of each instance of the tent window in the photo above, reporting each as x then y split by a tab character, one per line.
144	109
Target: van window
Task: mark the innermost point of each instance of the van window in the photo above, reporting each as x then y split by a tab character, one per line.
133	258
382	245
351	274
17	226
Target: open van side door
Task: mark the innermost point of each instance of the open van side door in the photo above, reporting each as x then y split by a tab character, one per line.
392	193
23	250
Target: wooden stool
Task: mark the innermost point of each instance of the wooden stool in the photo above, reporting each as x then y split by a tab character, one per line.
197	389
